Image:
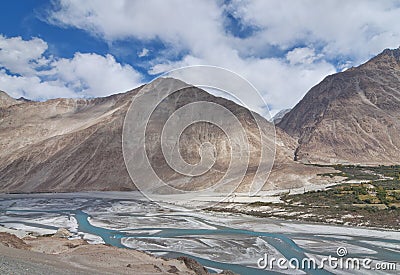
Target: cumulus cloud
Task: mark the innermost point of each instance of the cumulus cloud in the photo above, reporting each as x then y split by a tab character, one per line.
281	83
337	34
180	22
357	29
26	71
32	87
20	56
95	75
289	46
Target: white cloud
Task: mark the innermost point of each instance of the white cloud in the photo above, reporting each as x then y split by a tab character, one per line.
84	75
281	83
349	32
143	53
302	56
32	87
307	34
358	29
181	22
95	75
20	56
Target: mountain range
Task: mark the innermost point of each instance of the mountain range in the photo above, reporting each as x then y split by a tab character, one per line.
65	145
352	116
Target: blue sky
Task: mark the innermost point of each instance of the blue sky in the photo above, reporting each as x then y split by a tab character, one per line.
71	48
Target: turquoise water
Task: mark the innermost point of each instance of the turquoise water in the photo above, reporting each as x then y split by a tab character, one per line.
287	247
282	242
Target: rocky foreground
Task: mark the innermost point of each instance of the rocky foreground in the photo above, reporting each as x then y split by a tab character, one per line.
59	255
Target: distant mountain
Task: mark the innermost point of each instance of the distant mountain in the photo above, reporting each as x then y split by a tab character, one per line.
23	99
67	145
352	116
278	117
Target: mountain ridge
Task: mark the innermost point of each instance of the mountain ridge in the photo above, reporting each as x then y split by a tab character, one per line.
352	116
68	145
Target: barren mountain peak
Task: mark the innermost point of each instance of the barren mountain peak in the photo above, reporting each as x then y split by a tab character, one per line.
395	53
6	100
352	116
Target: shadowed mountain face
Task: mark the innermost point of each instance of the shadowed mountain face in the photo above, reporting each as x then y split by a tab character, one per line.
67	145
352	116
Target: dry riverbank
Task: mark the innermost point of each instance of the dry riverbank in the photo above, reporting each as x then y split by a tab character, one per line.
58	255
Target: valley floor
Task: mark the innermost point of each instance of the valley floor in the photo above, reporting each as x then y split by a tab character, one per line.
101	226
367	196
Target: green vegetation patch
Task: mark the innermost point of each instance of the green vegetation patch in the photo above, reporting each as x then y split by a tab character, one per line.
375	200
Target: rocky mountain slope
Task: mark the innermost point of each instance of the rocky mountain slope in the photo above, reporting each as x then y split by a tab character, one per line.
352	116
6	100
76	145
63	144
